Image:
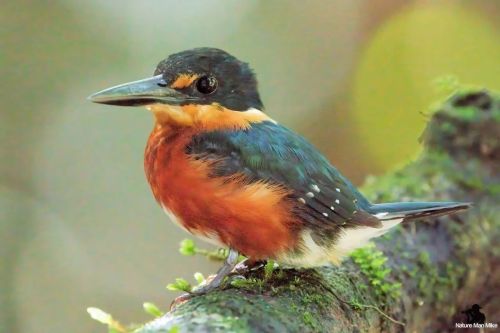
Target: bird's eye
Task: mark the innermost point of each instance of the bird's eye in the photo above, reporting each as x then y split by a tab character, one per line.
206	84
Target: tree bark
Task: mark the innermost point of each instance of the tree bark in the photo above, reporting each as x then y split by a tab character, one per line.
443	265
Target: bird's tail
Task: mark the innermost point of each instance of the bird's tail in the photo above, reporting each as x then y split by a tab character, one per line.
412	210
391	214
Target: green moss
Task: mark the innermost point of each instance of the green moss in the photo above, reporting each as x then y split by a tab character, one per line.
307	309
448	128
248	284
424	259
268	269
305	312
174	329
466	113
433	283
372	264
309	320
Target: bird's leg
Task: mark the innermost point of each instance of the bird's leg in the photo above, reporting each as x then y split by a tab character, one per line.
229	264
248	265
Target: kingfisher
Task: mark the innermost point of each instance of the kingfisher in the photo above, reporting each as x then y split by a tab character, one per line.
226	172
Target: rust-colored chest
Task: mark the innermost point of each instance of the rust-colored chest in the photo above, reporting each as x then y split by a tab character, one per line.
253	218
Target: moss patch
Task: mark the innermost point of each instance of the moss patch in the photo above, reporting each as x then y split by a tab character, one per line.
372	263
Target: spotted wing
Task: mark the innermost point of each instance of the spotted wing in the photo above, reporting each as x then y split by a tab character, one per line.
272	153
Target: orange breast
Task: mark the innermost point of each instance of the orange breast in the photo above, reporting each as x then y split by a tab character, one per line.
253	218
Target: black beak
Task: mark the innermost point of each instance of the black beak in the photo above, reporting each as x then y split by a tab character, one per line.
142	92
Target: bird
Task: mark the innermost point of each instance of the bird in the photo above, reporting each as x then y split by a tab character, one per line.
225	171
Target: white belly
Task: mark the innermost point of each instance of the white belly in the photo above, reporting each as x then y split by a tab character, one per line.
314	255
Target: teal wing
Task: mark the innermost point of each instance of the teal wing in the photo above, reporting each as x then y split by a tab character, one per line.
270	152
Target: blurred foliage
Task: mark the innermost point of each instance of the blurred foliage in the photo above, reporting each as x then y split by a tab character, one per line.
392	82
187	247
152	309
105	318
180	284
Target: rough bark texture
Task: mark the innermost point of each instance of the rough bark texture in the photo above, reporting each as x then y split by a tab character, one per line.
443	264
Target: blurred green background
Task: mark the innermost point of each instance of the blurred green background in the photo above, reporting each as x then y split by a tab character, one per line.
78	224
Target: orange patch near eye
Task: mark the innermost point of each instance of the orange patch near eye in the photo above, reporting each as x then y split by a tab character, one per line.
184	81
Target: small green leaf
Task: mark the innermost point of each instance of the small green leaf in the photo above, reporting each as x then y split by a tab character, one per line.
105	318
268	269
187	247
199	277
179	285
99	315
152	309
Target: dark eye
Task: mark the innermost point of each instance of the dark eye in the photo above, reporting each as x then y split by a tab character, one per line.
206	84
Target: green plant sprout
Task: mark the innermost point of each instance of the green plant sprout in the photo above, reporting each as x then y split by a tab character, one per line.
180	284
152	309
269	269
188	248
105	318
114	326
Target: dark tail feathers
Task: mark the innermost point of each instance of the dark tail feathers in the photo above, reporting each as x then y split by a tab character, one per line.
412	210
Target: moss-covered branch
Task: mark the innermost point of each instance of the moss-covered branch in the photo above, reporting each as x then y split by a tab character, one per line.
422	274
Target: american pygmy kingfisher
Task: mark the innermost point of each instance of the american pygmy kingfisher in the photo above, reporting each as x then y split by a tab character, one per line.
226	172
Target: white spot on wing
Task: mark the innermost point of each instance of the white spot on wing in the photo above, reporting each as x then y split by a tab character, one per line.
337	189
310	195
380	215
325	214
315	188
337	201
302	200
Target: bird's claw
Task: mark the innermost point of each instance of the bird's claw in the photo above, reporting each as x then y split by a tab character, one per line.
246	266
180	299
197	291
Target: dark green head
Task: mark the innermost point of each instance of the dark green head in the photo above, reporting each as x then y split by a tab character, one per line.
200	76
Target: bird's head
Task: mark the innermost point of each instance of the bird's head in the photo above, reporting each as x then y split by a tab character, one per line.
202	86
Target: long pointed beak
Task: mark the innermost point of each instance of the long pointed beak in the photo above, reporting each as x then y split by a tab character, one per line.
142	92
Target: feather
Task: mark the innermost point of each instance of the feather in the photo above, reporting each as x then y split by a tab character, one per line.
272	153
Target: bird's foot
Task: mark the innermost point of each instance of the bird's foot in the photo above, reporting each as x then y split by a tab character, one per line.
180	299
248	265
208	286
212	282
